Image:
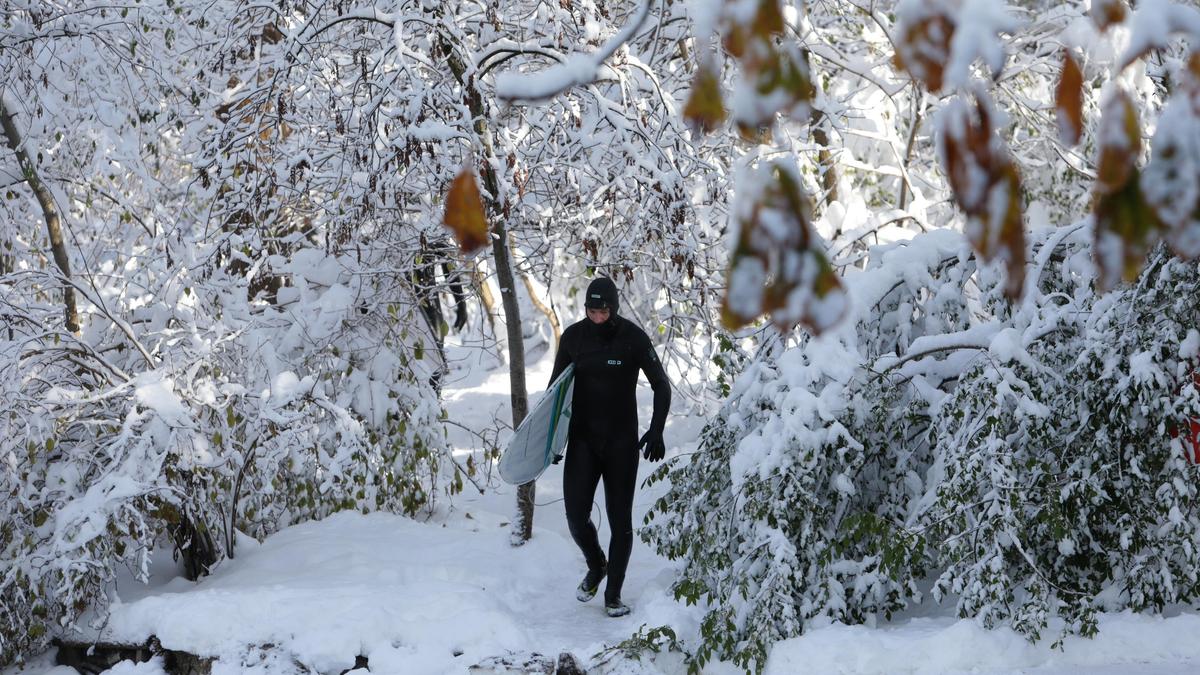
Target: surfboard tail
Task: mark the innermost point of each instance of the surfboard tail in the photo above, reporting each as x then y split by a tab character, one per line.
541	436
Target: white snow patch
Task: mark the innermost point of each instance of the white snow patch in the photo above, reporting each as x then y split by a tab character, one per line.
157	393
1132	642
1190	347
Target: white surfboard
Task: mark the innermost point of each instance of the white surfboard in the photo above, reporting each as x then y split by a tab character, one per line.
542	435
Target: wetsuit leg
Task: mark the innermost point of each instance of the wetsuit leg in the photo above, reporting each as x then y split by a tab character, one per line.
580	477
620	481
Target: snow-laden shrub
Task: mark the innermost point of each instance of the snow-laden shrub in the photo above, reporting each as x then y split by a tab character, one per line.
1026	457
1063	488
218	415
794	509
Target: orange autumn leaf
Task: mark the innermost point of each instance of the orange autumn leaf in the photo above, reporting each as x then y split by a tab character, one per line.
755	134
1106	13
734	38
1010	242
1068	101
464	215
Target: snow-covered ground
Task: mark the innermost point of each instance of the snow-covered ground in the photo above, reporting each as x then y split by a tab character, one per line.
444	595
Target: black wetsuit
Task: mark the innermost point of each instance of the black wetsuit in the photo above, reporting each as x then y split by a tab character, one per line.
603	435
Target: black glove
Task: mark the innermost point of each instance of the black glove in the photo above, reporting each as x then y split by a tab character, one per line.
653	444
557	459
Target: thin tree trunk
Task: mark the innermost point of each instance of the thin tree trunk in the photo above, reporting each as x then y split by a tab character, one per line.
522	527
49	209
918	112
6	266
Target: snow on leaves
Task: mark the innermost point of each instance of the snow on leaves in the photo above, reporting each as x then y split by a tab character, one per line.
1155	24
936	42
776	76
1134	209
923	42
464	214
985	184
1171	181
778	265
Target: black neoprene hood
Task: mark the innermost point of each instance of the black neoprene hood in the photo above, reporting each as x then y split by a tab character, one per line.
601	294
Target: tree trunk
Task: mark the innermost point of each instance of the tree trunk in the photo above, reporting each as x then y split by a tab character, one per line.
49	209
522	527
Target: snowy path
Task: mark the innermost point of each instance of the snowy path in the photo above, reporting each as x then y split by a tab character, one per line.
440	596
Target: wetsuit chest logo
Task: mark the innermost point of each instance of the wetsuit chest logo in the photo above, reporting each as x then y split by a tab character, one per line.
614	362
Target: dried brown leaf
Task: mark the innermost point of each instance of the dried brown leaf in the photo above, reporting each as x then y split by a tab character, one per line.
781	270
1011	244
987	187
704	108
271	34
923	48
465	215
1106	13
1068	100
768	20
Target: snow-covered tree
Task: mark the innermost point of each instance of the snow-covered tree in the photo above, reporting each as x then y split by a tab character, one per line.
240	365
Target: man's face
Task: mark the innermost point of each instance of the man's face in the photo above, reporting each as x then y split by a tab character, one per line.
598	315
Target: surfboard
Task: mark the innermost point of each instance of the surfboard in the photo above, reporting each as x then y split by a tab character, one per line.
542	435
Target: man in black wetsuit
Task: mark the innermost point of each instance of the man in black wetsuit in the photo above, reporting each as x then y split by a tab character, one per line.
608	351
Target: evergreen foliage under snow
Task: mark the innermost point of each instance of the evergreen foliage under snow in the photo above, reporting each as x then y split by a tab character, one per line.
1026	458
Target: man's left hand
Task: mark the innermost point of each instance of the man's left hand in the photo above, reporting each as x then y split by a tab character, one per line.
652	446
